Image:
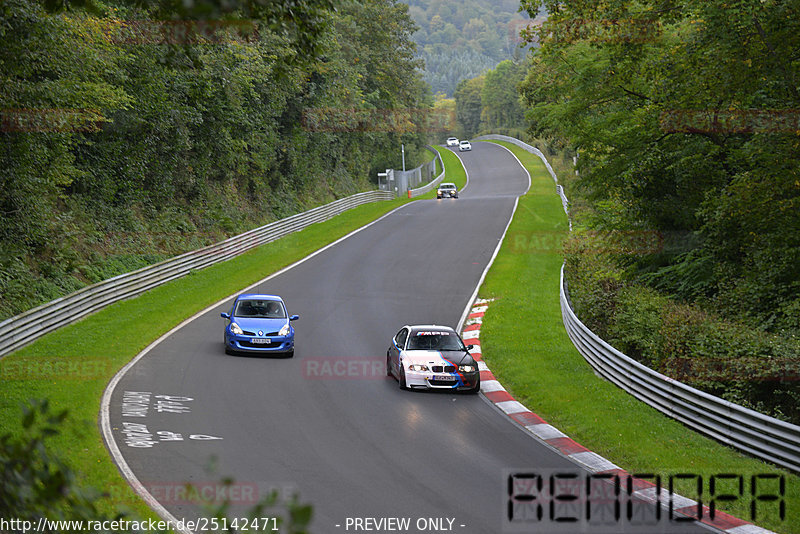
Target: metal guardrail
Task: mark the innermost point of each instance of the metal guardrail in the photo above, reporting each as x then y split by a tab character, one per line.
537	152
757	434
750	431
404	182
24	328
435	182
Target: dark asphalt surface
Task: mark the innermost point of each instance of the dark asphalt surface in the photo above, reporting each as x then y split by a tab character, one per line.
352	445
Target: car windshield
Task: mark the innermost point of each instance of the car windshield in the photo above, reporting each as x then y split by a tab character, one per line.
260	309
447	187
429	340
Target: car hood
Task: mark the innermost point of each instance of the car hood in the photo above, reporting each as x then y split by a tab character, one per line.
255	324
436	357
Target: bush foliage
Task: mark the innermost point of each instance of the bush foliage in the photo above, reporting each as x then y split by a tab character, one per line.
36	484
134	131
751	367
458	41
684	118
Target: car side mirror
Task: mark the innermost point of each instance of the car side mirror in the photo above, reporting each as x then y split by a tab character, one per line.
225	315
294	317
470	347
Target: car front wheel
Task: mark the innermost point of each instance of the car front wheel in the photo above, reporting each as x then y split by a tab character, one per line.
388	366
402	379
475	390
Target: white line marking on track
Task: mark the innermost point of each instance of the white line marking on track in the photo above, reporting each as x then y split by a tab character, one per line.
511	406
545	431
594	461
664	496
466	172
491	385
749	529
105	403
586	459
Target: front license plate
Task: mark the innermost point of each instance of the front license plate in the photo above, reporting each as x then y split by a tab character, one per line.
445	378
260	341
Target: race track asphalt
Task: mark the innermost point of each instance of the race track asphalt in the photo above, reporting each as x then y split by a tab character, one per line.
328	423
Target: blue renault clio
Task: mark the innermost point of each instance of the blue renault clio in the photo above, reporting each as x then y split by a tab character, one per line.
259	324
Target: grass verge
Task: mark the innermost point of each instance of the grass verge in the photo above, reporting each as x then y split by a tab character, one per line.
72	366
528	350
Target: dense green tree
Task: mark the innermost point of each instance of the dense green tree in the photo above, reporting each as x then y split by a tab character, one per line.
463	40
500	97
53	84
684	114
468	105
132	131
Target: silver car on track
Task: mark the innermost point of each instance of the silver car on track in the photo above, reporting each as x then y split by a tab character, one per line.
432	357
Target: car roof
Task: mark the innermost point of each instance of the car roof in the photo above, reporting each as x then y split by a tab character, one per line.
453	137
419	327
262	296
448	184
465	141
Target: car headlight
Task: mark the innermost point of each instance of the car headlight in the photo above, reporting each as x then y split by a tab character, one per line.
236	330
284	331
417	367
466	368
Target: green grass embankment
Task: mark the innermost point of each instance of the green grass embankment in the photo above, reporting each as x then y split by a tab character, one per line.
72	366
526	347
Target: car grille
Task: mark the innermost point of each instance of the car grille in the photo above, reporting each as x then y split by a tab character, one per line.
442	382
272	345
443	369
253	334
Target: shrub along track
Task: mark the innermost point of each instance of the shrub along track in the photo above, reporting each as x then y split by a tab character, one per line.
526	347
72	366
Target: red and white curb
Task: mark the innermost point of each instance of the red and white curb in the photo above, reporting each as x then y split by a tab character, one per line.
495	393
